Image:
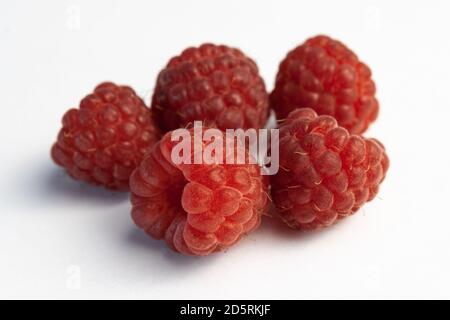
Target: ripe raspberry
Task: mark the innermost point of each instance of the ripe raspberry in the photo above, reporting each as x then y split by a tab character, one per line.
325	173
106	138
215	84
323	74
197	208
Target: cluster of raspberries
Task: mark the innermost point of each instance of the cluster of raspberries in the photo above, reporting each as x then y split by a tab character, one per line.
324	99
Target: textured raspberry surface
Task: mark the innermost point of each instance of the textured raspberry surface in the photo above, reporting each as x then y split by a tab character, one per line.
325	173
216	84
197	208
323	74
104	140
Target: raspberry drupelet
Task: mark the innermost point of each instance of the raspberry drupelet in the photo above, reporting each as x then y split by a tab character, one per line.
325	75
325	173
215	84
103	140
197	209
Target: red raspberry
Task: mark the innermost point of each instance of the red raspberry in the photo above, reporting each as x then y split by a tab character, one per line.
325	173
106	138
197	208
215	84
323	74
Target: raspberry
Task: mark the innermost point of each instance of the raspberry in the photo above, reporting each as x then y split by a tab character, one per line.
325	173
197	208
106	138
323	74
215	84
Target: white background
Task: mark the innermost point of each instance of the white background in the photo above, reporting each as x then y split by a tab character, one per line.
63	239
